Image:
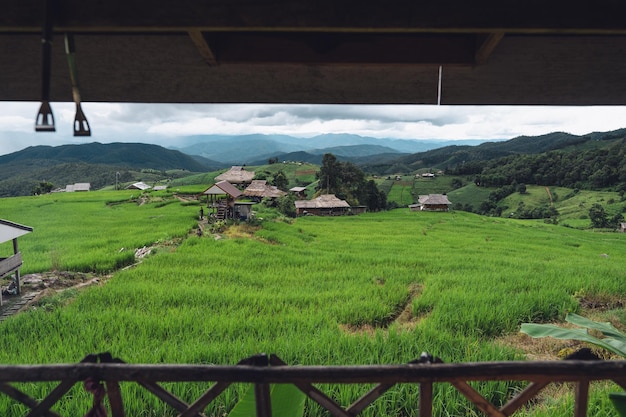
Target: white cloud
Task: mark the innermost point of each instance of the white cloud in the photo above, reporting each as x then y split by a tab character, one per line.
164	123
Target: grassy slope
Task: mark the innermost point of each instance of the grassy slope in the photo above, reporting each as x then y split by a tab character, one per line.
319	291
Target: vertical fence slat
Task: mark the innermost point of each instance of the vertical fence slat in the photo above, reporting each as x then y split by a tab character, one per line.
426	399
581	399
115	399
262	400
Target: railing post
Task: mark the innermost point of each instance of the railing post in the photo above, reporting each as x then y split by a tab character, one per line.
262	390
581	398
426	399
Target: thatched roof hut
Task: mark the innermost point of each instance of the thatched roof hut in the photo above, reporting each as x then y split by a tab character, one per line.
236	175
324	205
261	189
432	202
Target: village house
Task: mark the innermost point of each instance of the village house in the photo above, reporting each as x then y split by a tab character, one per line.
11	265
324	205
221	200
237	175
78	187
432	202
259	189
300	192
139	186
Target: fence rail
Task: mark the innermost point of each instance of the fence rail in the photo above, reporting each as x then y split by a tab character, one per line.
262	370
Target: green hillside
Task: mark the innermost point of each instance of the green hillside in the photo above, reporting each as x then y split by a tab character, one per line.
95	163
369	289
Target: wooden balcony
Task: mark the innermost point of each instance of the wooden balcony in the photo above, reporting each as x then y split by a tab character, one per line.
263	370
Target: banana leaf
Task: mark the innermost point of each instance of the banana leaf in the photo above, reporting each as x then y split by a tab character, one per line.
613	341
286	399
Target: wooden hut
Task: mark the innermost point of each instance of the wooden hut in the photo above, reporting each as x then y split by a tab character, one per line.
324	205
11	265
236	175
260	189
221	200
432	202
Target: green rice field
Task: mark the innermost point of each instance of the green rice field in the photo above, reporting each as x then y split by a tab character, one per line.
378	288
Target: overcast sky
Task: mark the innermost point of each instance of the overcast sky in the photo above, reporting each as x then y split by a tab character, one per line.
165	124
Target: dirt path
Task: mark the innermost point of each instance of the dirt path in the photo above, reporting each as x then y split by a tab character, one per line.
37	286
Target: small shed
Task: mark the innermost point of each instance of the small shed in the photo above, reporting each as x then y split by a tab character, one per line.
78	187
11	265
236	175
221	208
432	202
324	205
259	189
139	186
300	192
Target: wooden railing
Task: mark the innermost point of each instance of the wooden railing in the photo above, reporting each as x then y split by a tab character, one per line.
262	370
10	264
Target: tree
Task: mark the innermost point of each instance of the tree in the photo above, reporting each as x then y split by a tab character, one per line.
280	180
347	181
521	188
598	216
328	174
44	187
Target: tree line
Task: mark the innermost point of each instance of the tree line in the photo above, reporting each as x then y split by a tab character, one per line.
592	169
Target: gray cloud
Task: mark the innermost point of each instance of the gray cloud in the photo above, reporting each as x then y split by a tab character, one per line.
168	124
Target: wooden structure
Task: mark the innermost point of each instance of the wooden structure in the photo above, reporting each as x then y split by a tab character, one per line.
10	231
299	192
263	370
309	51
236	175
142	186
431	202
259	189
78	187
324	205
222	197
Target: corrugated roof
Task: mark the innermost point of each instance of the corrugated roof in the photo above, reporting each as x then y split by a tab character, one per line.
323	201
236	175
223	187
79	186
434	199
10	230
139	186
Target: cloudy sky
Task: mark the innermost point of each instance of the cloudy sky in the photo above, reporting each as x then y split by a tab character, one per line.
166	124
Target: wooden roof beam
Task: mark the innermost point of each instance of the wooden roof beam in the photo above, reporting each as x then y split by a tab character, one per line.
198	39
487	46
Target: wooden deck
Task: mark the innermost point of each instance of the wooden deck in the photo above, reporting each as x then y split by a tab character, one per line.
262	370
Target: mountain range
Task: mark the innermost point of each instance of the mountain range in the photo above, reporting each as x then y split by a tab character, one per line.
257	149
98	163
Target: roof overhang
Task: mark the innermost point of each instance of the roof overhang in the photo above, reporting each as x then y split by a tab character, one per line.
304	51
10	230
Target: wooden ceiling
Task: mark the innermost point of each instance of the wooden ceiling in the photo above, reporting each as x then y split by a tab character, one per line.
453	52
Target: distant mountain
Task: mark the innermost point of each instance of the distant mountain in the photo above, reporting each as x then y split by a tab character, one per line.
453	156
95	163
133	155
248	149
